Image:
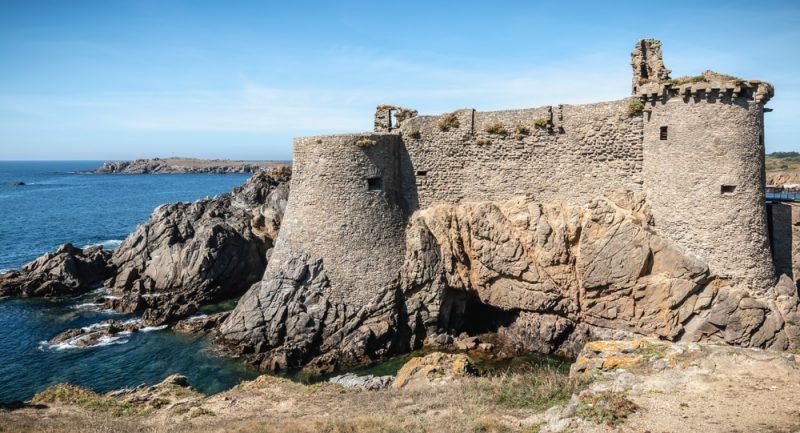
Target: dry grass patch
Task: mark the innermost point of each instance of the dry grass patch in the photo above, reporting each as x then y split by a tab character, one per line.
605	407
87	399
539	388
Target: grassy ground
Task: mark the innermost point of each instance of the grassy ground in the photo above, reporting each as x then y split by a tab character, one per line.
504	401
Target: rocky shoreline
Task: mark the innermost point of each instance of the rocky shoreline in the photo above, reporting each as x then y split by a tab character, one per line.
185	256
186	166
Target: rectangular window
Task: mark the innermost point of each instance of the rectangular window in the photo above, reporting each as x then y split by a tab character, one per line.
761	140
375	184
727	189
663	132
422	173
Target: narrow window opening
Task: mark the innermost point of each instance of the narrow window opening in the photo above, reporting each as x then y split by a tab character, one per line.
727	189
422	172
392	119
374	184
761	140
663	132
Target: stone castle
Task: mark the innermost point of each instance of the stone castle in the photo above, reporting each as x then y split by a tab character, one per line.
693	147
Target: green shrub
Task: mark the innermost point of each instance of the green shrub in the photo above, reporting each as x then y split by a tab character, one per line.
415	134
448	121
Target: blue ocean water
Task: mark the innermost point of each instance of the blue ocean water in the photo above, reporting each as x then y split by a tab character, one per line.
58	204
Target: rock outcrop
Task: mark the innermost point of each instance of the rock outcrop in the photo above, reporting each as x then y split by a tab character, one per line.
547	277
550	277
67	271
190	254
183	166
434	367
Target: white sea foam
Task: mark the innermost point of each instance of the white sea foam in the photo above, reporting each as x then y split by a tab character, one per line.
86	306
108	244
106	340
95	326
153	328
200	316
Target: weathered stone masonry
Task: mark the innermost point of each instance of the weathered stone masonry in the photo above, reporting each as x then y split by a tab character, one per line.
356	220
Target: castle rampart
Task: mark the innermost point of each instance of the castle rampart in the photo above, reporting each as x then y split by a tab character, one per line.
351	195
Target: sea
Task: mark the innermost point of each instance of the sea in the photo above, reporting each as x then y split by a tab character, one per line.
60	203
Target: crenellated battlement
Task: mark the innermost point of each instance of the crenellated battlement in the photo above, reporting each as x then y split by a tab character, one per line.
709	86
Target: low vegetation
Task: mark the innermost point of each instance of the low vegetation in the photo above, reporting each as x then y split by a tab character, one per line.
482	141
540	122
635	107
364	142
496	128
783	161
539	388
87	399
605	407
415	134
521	129
448	121
705	77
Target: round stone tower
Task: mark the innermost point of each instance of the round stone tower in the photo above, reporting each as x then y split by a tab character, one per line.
346	208
703	169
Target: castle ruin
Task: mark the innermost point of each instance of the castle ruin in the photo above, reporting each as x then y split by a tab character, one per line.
693	147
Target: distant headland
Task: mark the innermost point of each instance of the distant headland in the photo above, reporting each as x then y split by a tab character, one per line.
178	165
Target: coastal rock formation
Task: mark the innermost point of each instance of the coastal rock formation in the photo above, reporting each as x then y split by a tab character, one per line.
102	333
547	277
288	320
67	271
183	166
190	254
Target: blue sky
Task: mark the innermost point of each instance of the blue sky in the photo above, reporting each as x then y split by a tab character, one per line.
238	79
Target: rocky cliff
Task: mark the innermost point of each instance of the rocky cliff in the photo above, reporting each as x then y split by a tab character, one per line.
190	254
545	276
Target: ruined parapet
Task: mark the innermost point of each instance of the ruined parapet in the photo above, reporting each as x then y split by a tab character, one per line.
389	117
648	63
704	170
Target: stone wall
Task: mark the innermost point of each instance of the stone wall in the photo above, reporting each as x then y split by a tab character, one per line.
704	178
569	153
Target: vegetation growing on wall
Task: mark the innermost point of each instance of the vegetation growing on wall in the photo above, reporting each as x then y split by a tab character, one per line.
540	122
496	128
448	121
364	142
635	107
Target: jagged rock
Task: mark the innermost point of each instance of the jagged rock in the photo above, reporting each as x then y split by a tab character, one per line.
546	269
368	382
434	367
68	271
201	323
190	254
100	333
286	321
